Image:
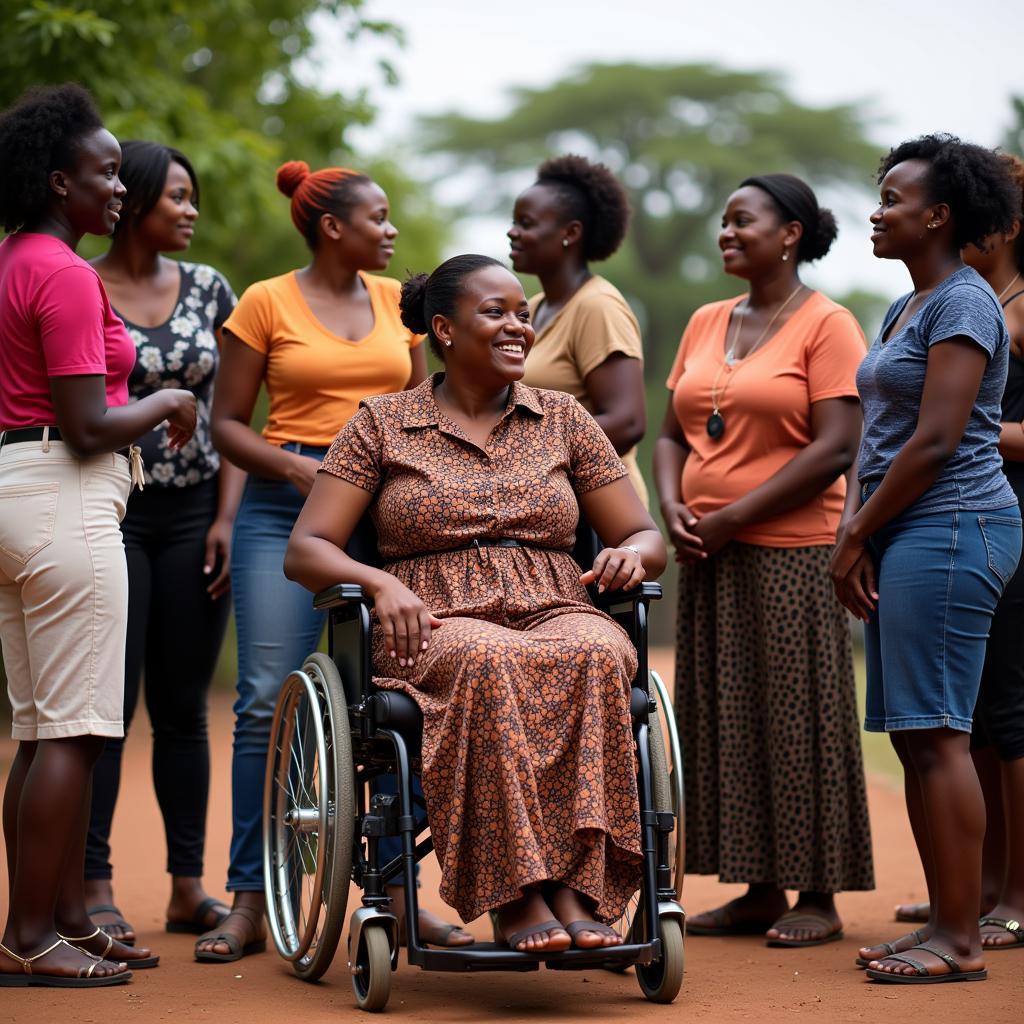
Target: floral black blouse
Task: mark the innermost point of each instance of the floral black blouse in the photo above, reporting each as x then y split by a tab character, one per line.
182	353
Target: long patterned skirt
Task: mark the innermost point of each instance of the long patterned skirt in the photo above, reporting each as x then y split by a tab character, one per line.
767	711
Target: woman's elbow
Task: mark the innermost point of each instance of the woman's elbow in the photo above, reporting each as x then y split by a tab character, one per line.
627	432
293	561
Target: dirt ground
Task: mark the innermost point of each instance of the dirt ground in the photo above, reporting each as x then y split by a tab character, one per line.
727	980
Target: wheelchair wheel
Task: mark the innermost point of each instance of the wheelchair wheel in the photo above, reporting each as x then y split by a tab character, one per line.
661	980
309	817
674	764
371	969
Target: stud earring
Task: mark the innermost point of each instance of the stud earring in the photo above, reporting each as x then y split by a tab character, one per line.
785	255
448	343
565	243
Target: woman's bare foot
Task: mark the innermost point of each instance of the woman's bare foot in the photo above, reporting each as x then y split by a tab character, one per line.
244	924
532	916
100	893
571	908
432	930
995	935
64	961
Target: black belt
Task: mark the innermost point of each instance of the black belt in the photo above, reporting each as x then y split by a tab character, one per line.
479	545
36	434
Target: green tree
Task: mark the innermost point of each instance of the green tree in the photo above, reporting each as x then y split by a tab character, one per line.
1014	141
232	83
681	137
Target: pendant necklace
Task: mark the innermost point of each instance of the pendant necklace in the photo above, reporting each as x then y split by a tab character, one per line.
716	421
1016	278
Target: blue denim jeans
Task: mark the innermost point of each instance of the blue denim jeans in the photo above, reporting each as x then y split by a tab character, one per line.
277	628
940	576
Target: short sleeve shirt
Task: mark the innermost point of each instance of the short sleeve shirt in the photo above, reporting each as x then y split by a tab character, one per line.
435	490
891	382
55	321
594	324
315	378
182	353
766	402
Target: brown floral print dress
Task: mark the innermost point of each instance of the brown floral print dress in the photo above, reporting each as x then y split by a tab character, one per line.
528	763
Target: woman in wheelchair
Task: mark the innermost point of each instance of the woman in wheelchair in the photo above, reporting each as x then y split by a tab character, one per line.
475	484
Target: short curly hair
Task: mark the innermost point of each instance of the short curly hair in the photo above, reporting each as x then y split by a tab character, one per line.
592	195
973	180
38	134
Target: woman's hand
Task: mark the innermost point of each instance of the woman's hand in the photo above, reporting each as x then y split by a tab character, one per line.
218	551
405	620
181	417
302	472
854	576
681	525
715	530
615	569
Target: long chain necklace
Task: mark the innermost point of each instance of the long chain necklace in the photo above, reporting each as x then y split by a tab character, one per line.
716	421
1013	281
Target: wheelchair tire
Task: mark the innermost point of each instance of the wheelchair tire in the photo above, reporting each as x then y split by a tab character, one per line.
661	980
675	776
309	818
371	969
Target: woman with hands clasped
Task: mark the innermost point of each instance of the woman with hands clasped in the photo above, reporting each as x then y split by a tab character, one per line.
932	534
475	483
762	424
320	339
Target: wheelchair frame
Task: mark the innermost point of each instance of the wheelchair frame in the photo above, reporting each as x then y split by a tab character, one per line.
377	726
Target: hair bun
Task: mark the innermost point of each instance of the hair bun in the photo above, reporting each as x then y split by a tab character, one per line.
291	175
825	234
412	303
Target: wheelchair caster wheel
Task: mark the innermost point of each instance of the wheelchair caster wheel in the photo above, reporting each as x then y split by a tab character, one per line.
661	981
371	969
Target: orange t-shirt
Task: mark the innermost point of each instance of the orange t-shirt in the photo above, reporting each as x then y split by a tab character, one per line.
765	401
315	379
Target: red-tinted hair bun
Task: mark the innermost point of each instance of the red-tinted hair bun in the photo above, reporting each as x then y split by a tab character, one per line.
291	175
314	193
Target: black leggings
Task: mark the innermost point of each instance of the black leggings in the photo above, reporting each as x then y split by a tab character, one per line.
174	637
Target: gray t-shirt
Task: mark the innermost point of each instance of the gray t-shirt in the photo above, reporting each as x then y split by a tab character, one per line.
891	378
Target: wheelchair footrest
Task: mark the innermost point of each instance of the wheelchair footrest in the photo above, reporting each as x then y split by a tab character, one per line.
489	956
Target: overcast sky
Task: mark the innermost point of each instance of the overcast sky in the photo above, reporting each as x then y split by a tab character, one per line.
922	65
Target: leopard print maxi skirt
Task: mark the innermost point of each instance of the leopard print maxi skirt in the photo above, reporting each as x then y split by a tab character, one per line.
767	711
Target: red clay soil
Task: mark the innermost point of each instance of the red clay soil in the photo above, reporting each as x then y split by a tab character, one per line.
727	980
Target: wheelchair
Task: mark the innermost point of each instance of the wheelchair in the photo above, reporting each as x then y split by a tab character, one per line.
334	734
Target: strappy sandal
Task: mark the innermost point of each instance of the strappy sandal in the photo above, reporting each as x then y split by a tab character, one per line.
534	931
233	943
83	979
575	927
141	962
109	908
793	919
924	976
196	924
890	948
1013	927
438	936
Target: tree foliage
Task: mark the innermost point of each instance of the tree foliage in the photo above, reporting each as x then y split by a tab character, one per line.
1014	142
681	137
232	83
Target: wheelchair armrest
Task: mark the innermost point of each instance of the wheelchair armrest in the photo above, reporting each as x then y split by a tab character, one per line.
623	598
339	595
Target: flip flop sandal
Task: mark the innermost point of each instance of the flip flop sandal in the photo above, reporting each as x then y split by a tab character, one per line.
83	979
923	976
233	943
513	940
196	924
801	920
915	913
591	926
435	937
139	962
890	949
109	908
730	928
1013	927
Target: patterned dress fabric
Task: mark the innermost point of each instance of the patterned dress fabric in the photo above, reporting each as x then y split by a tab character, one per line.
767	712
528	763
182	353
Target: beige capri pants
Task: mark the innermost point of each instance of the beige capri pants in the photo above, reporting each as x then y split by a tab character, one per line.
63	589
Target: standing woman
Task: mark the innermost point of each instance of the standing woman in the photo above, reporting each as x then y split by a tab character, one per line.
588	340
177	531
762	424
65	426
320	339
933	535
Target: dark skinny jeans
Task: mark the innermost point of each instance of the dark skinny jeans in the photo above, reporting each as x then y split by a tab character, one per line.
174	637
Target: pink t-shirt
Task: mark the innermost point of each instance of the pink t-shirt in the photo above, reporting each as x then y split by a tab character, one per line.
55	321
